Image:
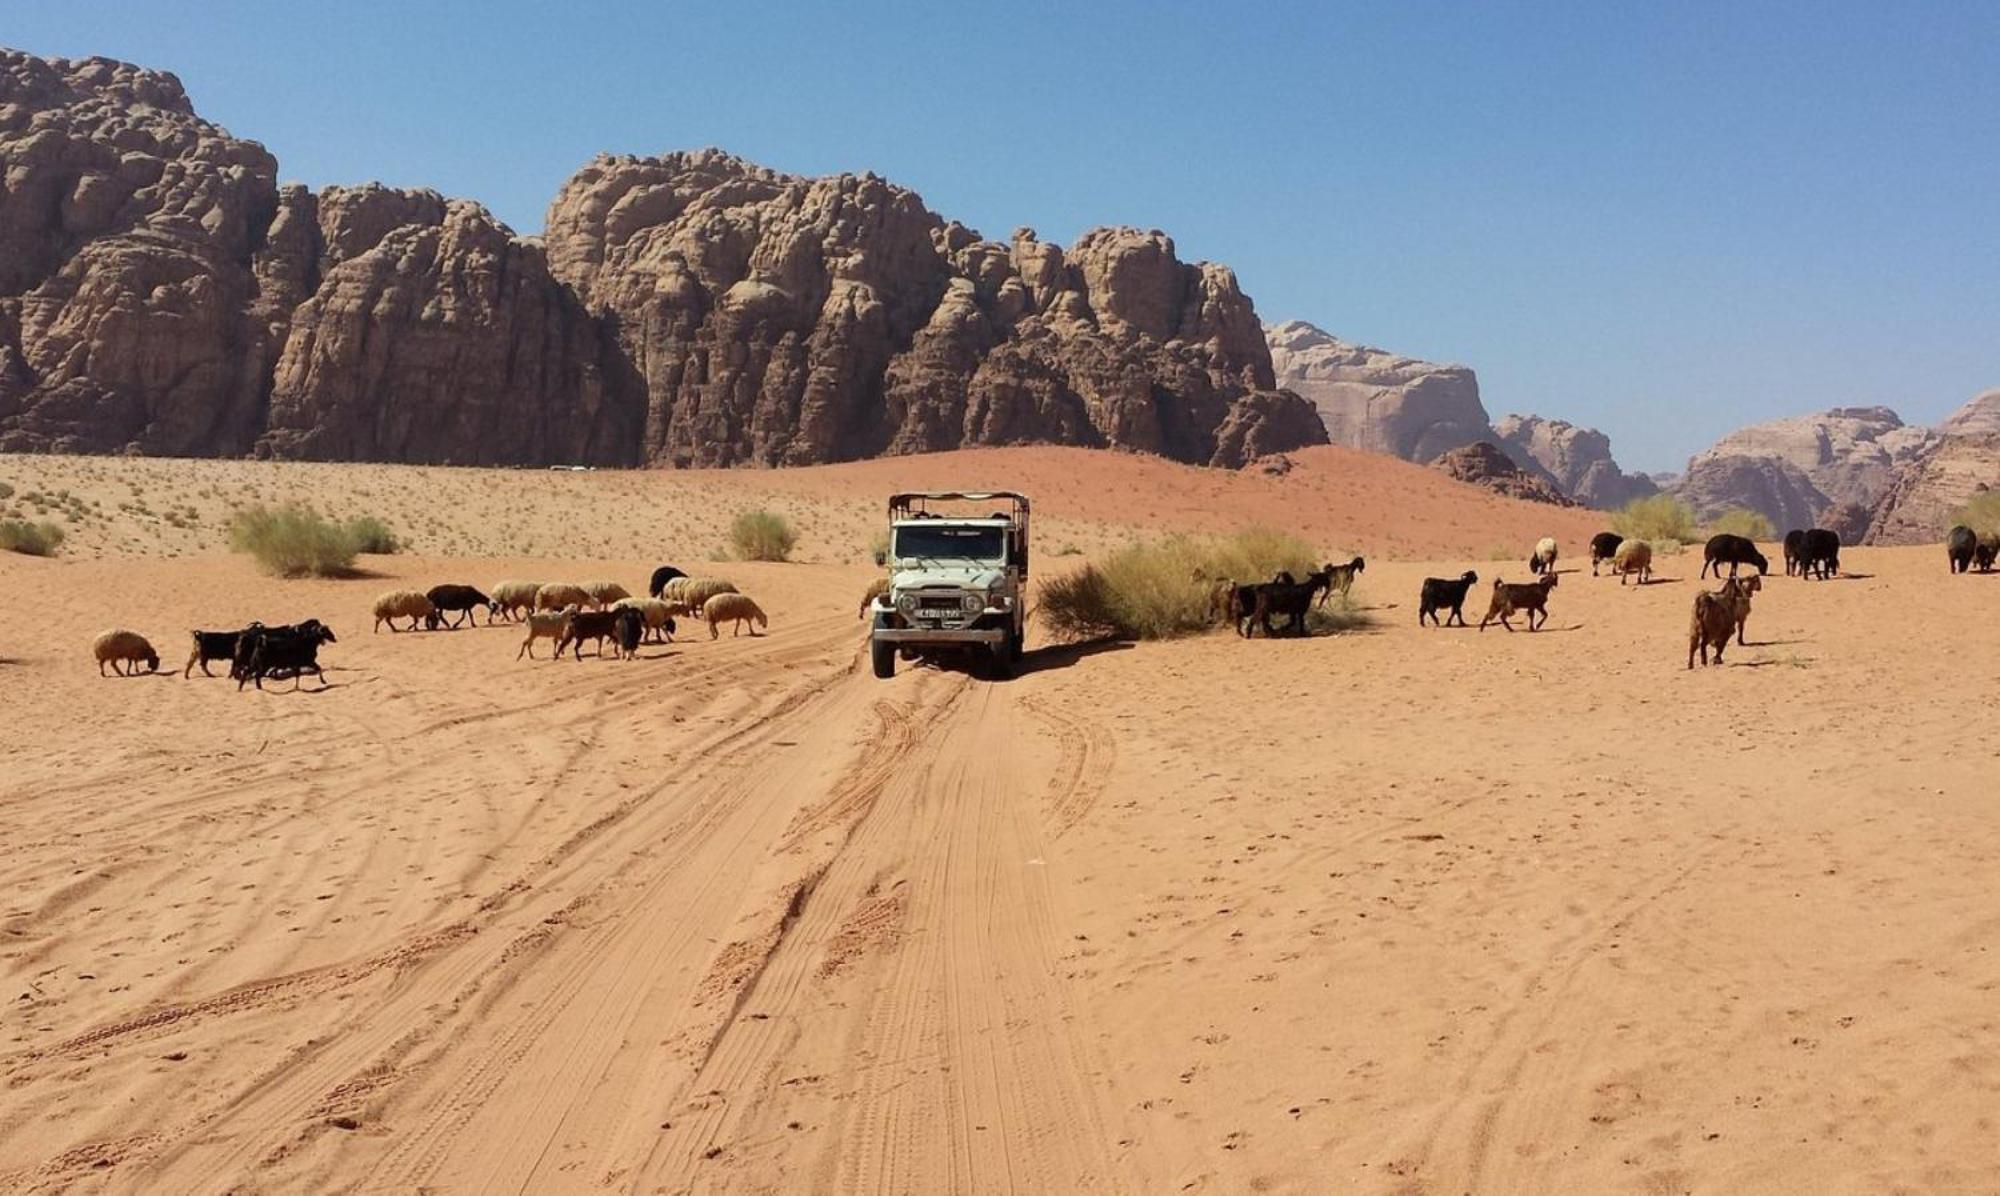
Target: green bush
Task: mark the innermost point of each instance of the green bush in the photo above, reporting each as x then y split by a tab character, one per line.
1159	589
1741	521
1659	517
291	541
34	539
370	535
1982	514
761	536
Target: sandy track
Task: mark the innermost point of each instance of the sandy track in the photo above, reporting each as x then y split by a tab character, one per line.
1401	911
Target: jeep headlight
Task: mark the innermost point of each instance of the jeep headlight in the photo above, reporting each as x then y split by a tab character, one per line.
907	603
973	604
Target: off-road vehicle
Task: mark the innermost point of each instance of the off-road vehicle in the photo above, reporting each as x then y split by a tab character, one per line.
958	583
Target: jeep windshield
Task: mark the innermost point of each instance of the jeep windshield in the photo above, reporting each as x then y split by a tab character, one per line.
952	542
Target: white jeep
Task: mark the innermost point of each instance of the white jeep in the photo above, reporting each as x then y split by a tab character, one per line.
957	583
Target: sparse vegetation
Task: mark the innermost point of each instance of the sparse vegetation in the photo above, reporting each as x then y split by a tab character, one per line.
1657	518
1158	589
370	535
761	536
1741	521
292	541
878	548
1982	514
34	539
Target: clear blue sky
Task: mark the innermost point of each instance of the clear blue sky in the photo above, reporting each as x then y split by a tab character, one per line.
1664	219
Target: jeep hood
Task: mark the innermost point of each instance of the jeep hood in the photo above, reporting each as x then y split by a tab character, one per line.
968	575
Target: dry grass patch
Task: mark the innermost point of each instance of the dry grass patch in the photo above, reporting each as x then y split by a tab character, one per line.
1160	589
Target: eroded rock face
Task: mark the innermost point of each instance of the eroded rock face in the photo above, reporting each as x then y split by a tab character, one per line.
1849	454
1487	464
1922	503
1979	417
1578	460
1769	485
1379	401
160	293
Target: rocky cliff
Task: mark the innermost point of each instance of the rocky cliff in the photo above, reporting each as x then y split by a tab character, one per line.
1771	486
1577	460
1923	501
1376	400
1487	464
160	293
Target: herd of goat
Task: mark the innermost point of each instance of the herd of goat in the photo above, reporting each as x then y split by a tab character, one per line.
568	615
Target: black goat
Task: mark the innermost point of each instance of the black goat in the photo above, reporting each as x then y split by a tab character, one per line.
597	625
1290	599
1444	593
661	576
1987	552
1725	549
1819	556
1795	542
1341	578
628	627
1603	546
280	652
213	645
465	600
1959	547
1243	601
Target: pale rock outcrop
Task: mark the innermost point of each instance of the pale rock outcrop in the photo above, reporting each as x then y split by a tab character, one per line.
1578	460
1379	401
1849	454
1487	464
1770	485
1921	505
1979	416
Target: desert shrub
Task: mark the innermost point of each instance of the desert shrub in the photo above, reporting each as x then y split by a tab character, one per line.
6	491
1741	521
291	541
1158	589
34	539
1658	517
878	548
761	536
370	535
1981	514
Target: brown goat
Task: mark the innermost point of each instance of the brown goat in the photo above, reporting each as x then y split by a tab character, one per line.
1513	597
1714	619
1736	592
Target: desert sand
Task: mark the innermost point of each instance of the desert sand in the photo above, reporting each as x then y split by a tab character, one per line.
1398	910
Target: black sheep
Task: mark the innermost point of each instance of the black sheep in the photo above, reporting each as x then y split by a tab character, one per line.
1725	549
1603	546
1795	542
1987	552
629	627
1819	556
661	576
463	599
280	652
1444	593
1960	545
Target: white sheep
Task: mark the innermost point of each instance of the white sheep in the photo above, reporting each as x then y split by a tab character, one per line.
1633	558
732	607
659	615
671	591
604	593
402	604
515	598
1544	559
697	592
127	648
556	595
546	625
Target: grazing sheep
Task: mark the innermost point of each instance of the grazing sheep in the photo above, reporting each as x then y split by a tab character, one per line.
1341	578
1737	591
403	604
1987	552
1603	546
1725	549
514	599
732	608
1795	543
628	626
556	595
658	615
1820	555
465	601
1510	598
126	648
697	591
671	590
212	645
291	651
604	593
594	625
546	625
661	576
1544	558
1633	557
876	589
1445	593
1292	600
1959	546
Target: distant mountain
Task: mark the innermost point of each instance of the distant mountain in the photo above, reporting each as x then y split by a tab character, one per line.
1577	460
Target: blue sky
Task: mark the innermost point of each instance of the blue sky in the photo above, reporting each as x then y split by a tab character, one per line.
1666	220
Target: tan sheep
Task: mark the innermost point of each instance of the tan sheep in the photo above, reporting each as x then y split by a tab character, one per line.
546	625
671	591
1633	558
556	595
402	604
604	593
515	598
659	616
696	593
876	589
127	648
732	608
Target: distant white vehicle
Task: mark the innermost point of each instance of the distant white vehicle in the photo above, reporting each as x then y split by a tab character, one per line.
956	583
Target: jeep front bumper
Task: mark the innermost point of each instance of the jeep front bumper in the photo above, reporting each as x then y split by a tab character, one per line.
941	635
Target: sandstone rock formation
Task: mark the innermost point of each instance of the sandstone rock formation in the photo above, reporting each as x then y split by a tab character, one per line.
1379	401
1850	521
160	293
1979	416
1769	485
1578	460
1920	506
1847	455
1487	464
